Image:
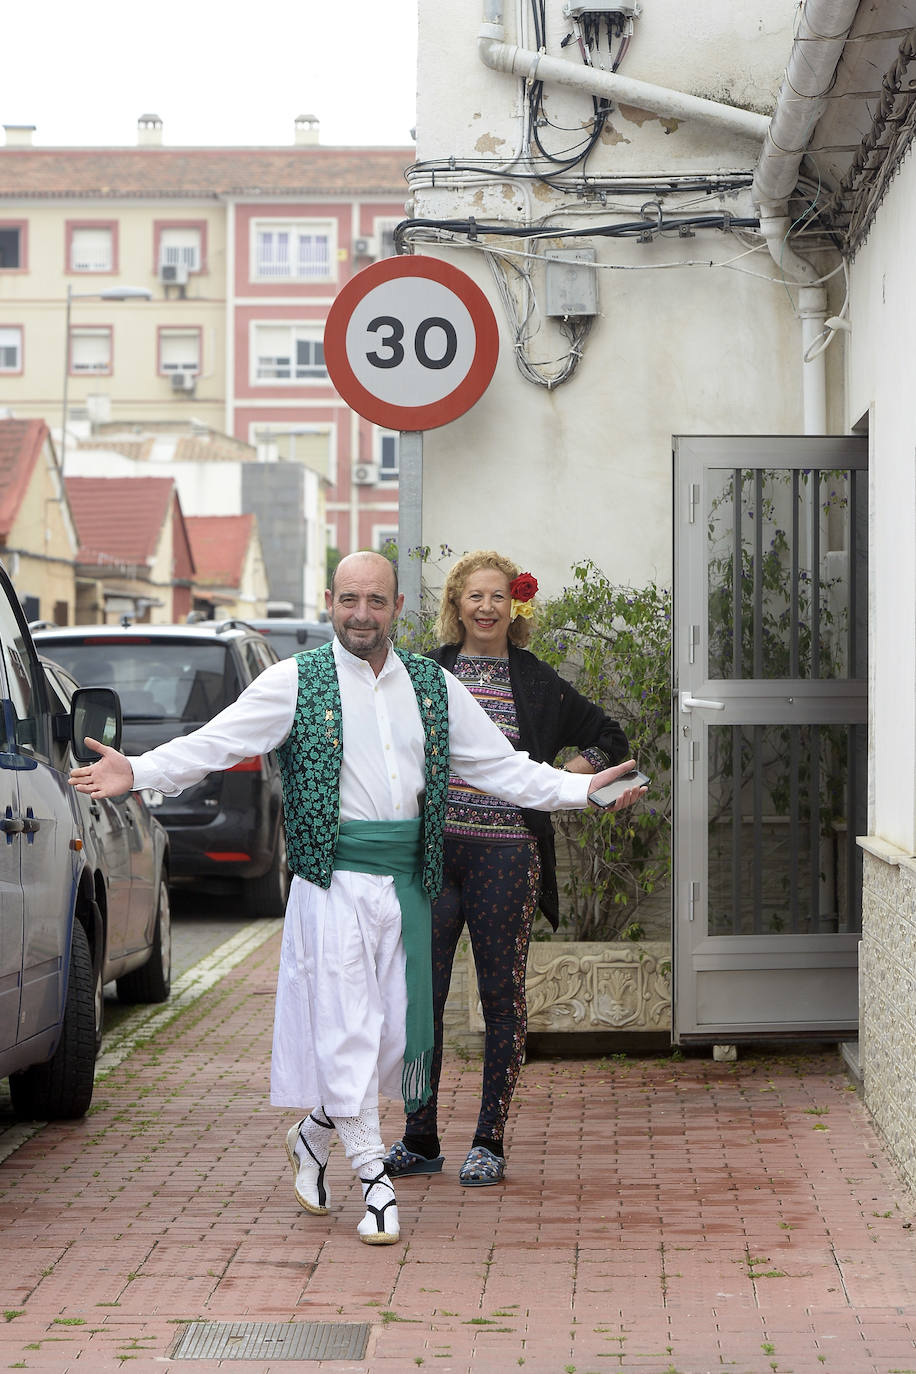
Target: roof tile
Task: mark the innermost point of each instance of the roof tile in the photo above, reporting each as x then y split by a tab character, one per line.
109	173
219	544
119	520
21	441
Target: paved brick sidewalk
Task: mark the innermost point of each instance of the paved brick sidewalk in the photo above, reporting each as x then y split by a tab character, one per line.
659	1216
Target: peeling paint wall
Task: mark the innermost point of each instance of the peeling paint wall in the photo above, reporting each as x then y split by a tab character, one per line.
585	469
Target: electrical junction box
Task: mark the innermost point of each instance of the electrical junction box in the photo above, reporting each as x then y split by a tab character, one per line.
626	11
571	284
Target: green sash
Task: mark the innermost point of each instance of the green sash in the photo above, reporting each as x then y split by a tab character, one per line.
395	849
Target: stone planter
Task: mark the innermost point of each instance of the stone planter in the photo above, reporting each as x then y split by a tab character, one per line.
579	987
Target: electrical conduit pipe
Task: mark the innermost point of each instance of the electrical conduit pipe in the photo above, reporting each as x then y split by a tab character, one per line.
501	56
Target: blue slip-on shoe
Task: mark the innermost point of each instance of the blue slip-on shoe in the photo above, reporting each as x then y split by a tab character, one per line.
481	1168
399	1162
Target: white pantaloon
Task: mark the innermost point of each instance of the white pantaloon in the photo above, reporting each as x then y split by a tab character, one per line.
339	1026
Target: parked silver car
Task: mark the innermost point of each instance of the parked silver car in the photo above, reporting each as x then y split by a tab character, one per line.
55	891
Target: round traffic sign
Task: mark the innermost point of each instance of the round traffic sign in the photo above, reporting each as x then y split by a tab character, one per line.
411	343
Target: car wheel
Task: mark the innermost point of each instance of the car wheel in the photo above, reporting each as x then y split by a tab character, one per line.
62	1087
99	1006
152	982
266	896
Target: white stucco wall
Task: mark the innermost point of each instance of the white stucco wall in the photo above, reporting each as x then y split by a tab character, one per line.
585	469
213	488
882	351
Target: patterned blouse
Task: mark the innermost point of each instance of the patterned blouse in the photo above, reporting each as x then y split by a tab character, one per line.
473	815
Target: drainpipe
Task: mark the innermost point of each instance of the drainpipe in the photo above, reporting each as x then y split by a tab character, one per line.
812	311
820	38
501	56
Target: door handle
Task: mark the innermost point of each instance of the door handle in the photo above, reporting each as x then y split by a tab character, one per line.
30	825
12	825
95	810
688	703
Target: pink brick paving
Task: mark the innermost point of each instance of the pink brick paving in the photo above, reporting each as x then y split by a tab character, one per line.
659	1216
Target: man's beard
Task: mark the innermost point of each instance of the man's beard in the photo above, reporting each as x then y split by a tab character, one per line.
363	646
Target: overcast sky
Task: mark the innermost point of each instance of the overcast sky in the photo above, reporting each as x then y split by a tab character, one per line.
216	73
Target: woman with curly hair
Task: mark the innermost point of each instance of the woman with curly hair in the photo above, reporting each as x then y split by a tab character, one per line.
500	862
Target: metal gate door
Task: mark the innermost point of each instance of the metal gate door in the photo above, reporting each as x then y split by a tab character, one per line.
769	723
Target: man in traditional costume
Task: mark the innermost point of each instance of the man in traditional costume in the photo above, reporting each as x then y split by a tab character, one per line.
366	734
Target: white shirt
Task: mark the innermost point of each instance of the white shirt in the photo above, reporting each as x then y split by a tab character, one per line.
382	775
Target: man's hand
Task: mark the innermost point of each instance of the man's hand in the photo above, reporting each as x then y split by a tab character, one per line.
611	775
110	776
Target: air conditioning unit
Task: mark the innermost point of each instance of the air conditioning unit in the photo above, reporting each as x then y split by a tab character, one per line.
183	381
173	273
365	474
365	248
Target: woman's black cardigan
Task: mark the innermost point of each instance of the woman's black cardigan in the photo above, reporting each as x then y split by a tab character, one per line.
552	716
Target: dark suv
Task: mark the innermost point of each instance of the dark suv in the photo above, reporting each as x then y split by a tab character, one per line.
288	637
171	679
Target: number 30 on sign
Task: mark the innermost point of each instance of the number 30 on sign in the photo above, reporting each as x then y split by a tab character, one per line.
411	343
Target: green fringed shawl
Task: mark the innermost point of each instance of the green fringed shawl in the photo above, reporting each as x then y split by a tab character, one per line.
395	848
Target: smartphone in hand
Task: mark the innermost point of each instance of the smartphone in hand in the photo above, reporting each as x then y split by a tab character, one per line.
606	796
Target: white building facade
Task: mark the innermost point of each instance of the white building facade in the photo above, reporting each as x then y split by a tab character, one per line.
723	267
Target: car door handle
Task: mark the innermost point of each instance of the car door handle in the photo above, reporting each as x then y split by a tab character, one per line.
688	703
30	825
12	825
95	810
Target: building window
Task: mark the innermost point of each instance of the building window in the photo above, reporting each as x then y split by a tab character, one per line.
385	540
384	236
92	247
180	246
288	353
293	252
179	351
12	247
10	348
387	450
90	350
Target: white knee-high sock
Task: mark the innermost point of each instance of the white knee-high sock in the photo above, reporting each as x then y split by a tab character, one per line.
361	1138
316	1130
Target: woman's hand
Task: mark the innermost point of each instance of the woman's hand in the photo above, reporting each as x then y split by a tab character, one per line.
611	775
110	776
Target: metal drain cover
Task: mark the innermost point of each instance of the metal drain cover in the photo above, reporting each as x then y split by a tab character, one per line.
273	1341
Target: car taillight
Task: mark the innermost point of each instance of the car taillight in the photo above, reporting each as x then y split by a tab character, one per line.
252	765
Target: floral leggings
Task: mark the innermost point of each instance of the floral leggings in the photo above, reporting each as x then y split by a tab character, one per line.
493	888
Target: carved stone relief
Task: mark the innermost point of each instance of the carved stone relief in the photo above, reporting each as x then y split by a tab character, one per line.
592	987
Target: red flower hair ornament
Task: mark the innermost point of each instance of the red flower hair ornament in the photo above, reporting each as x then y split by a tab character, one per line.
523	589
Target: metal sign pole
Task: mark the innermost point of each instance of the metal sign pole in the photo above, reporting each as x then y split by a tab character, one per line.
410	518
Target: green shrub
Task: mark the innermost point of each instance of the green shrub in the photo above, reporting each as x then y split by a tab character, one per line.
614	643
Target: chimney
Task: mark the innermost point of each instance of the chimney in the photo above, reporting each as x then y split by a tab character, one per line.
149	131
306	130
19	135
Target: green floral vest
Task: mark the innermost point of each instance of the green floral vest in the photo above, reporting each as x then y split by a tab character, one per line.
311	756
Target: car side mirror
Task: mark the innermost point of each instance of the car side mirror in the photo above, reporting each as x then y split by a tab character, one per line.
94	711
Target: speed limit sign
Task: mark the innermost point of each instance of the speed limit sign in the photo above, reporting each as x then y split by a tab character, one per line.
411	343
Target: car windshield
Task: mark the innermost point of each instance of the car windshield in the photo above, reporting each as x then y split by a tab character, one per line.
156	679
